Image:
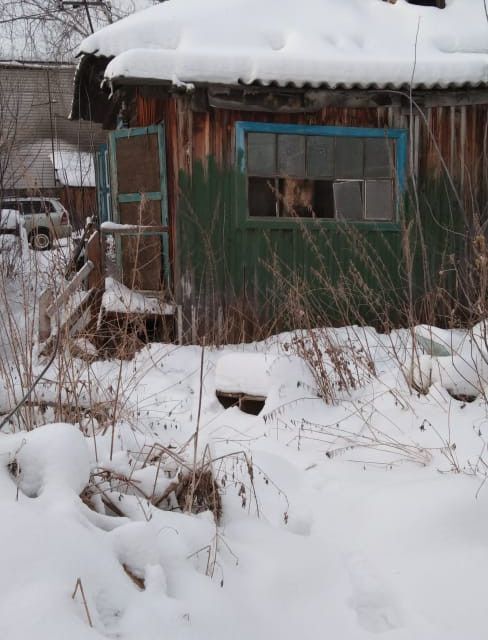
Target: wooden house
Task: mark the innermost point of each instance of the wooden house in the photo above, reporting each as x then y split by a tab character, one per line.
41	149
266	153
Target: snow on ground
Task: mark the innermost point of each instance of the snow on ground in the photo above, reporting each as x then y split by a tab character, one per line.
364	517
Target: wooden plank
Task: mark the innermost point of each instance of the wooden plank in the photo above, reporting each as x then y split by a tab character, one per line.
462	150
95	255
70	288
132	229
452	139
45	300
70	321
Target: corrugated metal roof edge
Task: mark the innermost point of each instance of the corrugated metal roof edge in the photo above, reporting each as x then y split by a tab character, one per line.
340	86
32	64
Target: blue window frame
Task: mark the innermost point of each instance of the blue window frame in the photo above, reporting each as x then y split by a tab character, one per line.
352	174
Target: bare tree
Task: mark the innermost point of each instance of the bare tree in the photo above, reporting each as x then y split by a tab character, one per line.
52	29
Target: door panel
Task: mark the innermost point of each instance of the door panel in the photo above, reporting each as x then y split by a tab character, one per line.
143	175
141	261
138	169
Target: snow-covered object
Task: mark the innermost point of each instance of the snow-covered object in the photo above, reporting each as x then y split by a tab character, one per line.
74	168
244	373
320	42
136	546
9	219
8	243
335	516
117	298
457	360
83	345
110	226
54	455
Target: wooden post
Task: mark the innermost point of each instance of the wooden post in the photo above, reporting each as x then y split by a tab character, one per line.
95	255
179	323
220	325
193	325
45	301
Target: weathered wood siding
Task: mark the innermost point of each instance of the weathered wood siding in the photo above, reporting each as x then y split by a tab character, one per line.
220	256
81	202
35	102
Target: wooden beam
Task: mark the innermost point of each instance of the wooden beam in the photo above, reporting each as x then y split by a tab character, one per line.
94	255
132	229
69	322
70	288
45	301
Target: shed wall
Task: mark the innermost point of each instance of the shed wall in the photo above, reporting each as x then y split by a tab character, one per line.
222	258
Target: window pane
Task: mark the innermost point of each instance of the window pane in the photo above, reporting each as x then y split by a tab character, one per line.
262	197
379	200
348	200
297	198
26	207
13	205
291	155
30	207
349	157
379	158
261	154
306	198
46	207
323	200
320	157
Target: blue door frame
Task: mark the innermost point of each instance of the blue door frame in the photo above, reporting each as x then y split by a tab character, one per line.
104	196
161	195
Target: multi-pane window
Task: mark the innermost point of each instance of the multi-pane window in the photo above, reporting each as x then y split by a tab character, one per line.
321	176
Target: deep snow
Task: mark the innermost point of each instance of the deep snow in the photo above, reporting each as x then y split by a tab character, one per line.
363	517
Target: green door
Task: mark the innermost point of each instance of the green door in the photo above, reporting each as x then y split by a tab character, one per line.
140	212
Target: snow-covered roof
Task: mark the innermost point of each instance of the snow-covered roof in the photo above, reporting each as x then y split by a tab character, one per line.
337	43
74	168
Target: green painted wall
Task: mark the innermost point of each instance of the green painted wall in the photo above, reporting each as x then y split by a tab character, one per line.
273	271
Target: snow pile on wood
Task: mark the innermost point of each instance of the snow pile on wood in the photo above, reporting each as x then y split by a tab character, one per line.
244	373
117	298
336	43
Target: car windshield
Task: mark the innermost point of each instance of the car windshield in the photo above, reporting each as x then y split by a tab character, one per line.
29	207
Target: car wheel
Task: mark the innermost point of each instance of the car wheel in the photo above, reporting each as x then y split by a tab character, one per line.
40	240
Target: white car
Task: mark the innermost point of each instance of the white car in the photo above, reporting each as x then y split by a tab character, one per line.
13	241
45	219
